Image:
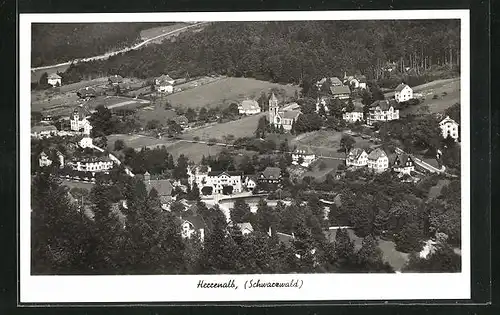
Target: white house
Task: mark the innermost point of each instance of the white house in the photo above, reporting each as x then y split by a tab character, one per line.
355	115
54	79
449	127
86	142
356	81
378	160
357	157
43	160
382	111
403	163
92	164
283	117
191	225
305	153
165	78
249	182
80	120
43	131
165	88
249	107
218	181
245	228
403	93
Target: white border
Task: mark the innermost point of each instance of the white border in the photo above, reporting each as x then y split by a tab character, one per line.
76	289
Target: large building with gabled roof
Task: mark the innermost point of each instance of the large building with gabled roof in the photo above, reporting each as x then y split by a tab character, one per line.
281	117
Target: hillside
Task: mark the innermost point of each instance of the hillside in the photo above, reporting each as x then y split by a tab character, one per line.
291	52
56	43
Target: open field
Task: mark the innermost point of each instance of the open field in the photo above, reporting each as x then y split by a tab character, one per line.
447	91
327	142
243	127
136	141
160	30
225	91
157	112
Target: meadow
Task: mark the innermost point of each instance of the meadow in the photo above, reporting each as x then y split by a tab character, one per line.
226	91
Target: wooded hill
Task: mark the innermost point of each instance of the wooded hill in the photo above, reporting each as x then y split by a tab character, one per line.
56	43
292	52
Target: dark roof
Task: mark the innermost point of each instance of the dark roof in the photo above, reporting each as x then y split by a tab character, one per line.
341	89
86	92
286	239
355	153
54	76
162	186
196	221
290	114
272	172
230	173
400	87
115	78
401	159
82	111
376	154
384	104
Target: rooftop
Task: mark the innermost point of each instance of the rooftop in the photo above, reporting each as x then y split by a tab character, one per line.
341	89
272	172
249	105
400	87
376	154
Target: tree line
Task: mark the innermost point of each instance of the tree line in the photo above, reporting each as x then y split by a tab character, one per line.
294	52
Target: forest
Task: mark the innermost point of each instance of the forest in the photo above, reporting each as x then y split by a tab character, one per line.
294	52
55	43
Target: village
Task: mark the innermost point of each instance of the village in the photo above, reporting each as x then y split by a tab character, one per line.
266	147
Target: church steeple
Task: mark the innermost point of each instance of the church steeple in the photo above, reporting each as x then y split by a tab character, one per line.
273	108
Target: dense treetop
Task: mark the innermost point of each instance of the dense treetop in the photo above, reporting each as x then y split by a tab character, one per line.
53	43
292	51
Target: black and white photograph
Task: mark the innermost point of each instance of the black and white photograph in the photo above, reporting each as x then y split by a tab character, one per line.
245	156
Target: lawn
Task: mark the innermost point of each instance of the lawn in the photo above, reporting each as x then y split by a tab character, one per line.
136	141
244	127
396	259
435	191
326	142
74	184
225	91
157	112
447	92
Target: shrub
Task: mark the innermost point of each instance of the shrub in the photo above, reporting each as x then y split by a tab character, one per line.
435	97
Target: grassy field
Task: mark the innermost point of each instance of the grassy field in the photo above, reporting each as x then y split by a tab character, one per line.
320	175
157	112
136	141
243	127
447	91
225	91
435	191
327	142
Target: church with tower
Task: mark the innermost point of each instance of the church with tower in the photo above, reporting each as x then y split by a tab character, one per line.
282	117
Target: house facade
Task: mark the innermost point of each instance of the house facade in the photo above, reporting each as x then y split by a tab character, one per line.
43	131
91	164
162	186
356	81
355	115
165	88
378	160
382	111
281	117
342	92
305	153
191	225
249	107
357	157
249	182
43	160
54	79
403	93
80	120
403	163
449	128
271	175
218	181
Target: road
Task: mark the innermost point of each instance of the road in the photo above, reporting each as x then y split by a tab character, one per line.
107	55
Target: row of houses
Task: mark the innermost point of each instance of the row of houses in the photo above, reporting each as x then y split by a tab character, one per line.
378	161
